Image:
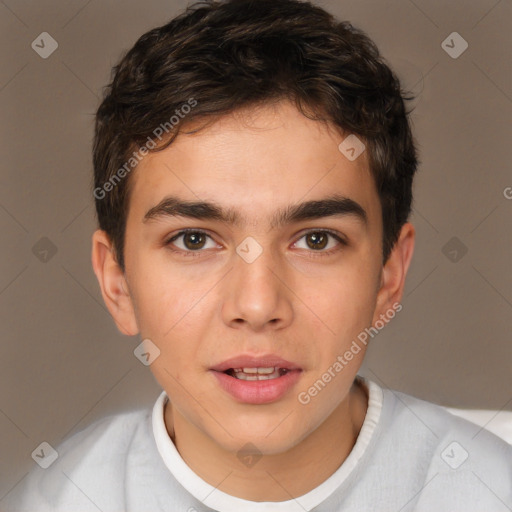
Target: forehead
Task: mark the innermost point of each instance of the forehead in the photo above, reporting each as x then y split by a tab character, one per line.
255	161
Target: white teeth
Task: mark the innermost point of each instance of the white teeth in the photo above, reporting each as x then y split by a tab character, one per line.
266	371
260	371
245	376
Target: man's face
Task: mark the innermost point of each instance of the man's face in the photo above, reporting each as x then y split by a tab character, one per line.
267	284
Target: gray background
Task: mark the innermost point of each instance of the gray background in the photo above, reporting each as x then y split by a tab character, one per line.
64	364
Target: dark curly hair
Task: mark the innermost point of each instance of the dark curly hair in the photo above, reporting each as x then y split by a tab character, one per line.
220	56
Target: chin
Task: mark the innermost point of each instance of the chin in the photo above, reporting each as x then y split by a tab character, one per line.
261	444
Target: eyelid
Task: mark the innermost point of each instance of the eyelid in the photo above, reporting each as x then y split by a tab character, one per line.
340	237
169	239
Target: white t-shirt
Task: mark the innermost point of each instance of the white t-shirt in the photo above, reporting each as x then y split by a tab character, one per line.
410	455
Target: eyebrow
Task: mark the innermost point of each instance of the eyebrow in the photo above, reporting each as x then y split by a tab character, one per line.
331	206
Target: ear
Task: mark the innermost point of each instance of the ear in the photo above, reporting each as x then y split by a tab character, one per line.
394	271
113	284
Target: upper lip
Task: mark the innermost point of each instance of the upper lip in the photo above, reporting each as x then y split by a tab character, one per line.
246	361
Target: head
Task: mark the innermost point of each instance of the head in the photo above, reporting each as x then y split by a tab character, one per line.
230	122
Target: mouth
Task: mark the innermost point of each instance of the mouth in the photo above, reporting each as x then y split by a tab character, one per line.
257	380
252	374
255	366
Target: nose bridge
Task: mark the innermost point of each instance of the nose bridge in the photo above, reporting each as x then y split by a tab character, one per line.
256	294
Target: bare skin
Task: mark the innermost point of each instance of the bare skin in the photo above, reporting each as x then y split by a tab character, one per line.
298	300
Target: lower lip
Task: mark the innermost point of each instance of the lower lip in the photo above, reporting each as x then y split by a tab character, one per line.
258	391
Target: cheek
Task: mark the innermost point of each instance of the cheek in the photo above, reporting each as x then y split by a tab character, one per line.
166	312
343	302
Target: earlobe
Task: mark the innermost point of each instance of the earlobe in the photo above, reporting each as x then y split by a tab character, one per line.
395	270
112	281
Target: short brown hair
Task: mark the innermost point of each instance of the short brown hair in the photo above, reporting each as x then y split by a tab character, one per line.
225	55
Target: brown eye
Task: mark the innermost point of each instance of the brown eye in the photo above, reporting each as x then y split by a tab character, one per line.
191	241
322	242
194	240
317	240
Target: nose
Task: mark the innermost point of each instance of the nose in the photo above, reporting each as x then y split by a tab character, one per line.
256	294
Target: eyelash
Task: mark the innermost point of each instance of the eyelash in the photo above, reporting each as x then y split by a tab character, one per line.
335	235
